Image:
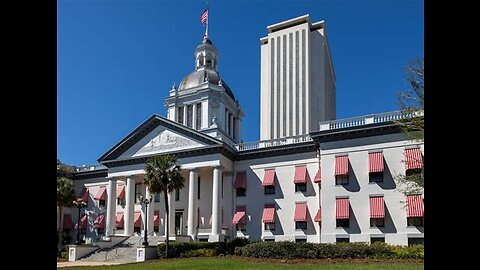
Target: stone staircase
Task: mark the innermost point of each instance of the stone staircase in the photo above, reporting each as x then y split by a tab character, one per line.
123	252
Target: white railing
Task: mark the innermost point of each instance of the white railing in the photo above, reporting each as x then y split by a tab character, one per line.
274	142
85	168
367	119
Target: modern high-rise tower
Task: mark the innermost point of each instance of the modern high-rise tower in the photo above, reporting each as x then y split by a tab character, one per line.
297	81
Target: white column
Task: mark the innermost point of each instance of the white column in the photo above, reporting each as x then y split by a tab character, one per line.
111	206
185	114
171	214
129	205
217	175
231	124
192	191
194	116
149	215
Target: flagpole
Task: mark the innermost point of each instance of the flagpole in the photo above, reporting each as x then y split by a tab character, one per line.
206	29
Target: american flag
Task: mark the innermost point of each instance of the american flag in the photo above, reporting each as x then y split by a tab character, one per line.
204	16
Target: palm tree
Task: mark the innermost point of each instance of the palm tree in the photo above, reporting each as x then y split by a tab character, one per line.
163	175
65	197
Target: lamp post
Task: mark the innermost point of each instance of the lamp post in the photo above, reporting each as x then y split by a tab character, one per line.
80	204
146	202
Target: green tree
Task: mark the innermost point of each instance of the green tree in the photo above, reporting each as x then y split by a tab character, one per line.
65	197
411	103
163	175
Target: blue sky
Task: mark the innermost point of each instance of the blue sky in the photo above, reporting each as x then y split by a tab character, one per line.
116	60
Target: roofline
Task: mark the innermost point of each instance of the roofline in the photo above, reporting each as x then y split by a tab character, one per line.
288	23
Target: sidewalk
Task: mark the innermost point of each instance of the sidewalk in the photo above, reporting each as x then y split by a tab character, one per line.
83	263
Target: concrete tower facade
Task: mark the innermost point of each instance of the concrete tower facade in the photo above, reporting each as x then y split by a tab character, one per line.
297	79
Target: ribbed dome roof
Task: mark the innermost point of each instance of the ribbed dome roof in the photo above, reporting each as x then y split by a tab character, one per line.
197	78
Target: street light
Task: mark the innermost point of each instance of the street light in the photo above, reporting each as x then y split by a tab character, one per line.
146	202
80	204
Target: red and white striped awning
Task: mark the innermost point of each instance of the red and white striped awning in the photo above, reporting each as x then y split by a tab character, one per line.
121	192
137	219
101	194
375	162
414	206
156	218
83	222
84	195
341	165
300	212
300	176
119	220
67	221
318	216
342	207
99	221
268	215
239	217
413	158
269	177
377	207
241	180
318	176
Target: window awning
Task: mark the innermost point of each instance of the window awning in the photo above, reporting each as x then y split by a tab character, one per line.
342	207
318	176
240	180
414	206
377	207
318	216
341	165
413	158
119	220
156	218
83	222
239	217
137	219
269	177
99	222
300	176
101	194
121	192
375	162
84	195
268	215
300	212
67	221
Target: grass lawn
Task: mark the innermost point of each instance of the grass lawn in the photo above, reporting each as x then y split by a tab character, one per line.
232	263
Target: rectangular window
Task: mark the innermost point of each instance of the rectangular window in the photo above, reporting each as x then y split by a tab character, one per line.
241	227
101	230
233	128
156	198
345	223
199	116
300	187
375	177
198	188
177	194
101	202
415	221
269	190
180	115
189	115
241	192
156	229
269	226
136	229
301	225
83	230
415	241
120	201
377	239
269	240
343	240
341	179
138	192
377	222
299	240
229	125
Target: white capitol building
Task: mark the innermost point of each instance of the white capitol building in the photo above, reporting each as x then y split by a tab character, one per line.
311	177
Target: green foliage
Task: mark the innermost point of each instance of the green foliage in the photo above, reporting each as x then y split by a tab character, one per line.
65	192
196	249
292	250
163	174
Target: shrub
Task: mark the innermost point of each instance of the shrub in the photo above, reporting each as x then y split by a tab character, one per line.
195	249
202	252
291	250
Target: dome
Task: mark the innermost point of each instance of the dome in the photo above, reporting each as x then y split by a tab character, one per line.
197	78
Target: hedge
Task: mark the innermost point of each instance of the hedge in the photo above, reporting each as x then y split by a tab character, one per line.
197	249
302	250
